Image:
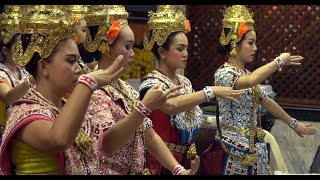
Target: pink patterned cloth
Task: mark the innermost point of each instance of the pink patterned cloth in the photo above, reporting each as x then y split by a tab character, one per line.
33	106
109	105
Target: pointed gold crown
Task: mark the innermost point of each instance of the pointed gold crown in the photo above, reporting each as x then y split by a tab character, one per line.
9	22
115	17
78	11
239	20
163	22
117	13
96	16
47	25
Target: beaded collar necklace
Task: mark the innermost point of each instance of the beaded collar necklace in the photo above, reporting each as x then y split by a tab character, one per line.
121	89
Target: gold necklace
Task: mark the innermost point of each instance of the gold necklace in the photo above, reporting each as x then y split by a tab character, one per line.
243	71
188	113
41	98
121	89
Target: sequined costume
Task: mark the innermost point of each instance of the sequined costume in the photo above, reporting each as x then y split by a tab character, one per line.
19	158
239	128
81	156
7	78
9	27
178	131
80	12
109	105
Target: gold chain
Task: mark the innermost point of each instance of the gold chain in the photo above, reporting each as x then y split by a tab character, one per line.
45	100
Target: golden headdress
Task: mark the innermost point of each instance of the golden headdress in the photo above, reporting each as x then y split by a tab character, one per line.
96	16
239	20
78	11
47	25
117	17
117	13
9	22
163	22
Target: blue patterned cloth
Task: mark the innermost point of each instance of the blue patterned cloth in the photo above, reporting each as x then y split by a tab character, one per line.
235	124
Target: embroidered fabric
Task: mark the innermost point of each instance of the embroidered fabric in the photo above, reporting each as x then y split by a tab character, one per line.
109	105
239	117
188	122
33	106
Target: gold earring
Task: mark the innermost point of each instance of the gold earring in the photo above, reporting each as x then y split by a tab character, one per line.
234	51
104	47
